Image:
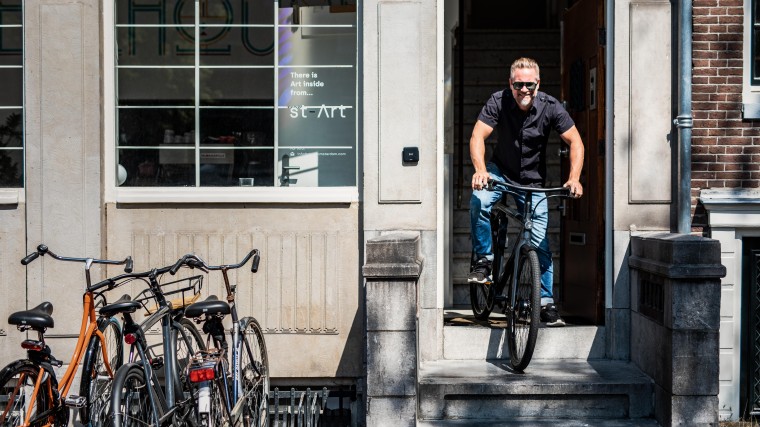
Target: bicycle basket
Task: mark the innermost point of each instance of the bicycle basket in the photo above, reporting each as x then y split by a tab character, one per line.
179	293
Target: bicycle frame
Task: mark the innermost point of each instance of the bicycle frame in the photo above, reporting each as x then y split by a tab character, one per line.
89	326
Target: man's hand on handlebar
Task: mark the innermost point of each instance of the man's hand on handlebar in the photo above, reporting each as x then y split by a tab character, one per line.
576	189
480	179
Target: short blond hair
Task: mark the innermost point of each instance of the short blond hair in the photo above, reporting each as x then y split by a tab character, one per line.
521	63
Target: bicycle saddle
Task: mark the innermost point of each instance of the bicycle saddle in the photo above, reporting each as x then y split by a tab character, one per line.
37	318
210	306
122	305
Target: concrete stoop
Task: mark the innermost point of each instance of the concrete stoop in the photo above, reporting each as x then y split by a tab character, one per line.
577	392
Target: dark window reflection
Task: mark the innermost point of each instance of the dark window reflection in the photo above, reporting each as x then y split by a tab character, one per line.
156	86
11	128
156	126
11	168
240	127
158	168
11	44
11	92
213	12
236	167
155	46
238	86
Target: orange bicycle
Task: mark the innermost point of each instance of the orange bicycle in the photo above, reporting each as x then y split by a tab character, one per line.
34	397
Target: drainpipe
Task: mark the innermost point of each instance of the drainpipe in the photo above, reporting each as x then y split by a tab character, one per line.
609	127
684	120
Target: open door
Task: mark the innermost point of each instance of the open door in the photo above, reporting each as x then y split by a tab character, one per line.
582	248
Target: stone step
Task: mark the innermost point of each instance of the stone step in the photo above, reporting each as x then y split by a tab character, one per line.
550	389
465	338
533	422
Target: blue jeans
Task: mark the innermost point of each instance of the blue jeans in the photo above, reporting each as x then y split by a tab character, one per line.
481	203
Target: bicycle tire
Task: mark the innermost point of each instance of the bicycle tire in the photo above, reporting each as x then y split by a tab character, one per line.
20	377
524	314
254	373
483	296
189	341
96	383
130	400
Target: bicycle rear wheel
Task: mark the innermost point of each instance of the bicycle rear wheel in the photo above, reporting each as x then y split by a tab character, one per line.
524	314
17	382
254	373
96	382
130	401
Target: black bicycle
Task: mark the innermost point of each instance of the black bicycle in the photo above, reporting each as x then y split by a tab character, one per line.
514	286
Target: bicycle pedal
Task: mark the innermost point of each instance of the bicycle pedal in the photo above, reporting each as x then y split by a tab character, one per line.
74	401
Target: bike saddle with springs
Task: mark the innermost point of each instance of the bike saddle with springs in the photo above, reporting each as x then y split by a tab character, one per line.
210	306
37	318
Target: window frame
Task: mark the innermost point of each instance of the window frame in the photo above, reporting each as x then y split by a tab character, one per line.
750	91
209	194
15	195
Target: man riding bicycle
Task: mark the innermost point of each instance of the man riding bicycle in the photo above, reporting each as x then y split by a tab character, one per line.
523	118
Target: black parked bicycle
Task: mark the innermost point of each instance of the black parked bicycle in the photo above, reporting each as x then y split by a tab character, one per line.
515	286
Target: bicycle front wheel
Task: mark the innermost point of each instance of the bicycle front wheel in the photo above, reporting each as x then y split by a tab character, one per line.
17	382
96	381
130	401
254	373
524	314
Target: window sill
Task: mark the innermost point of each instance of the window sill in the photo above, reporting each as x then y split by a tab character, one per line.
10	196
237	195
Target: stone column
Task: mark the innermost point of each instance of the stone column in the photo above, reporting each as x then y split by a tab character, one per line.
392	269
675	319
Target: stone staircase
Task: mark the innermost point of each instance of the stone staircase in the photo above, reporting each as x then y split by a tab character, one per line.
568	382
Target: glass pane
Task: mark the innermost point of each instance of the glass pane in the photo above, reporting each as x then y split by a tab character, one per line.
11	46
238	46
237	167
320	110
161	168
301	15
214	12
238	86
318	45
11	168
10	12
156	126
316	168
237	126
11	93
316	86
155	46
11	127
156	86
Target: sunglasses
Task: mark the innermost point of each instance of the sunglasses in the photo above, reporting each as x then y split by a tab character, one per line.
519	85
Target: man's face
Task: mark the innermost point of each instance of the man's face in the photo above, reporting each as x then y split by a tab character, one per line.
524	95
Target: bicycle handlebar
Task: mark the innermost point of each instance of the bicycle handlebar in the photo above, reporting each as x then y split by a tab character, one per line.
44	250
493	183
194	261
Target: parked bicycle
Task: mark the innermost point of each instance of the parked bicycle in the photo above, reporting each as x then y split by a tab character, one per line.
515	283
233	387
35	397
140	395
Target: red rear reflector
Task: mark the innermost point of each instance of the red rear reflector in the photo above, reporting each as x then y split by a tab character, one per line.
33	345
130	338
201	374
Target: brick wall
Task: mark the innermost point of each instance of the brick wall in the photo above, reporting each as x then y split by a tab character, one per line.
725	148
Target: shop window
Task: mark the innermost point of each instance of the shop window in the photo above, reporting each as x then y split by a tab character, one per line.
11	95
236	93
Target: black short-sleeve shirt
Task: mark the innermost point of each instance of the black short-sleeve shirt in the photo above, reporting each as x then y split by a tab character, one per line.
523	135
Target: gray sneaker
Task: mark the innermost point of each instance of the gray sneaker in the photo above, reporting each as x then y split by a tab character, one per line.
550	316
481	272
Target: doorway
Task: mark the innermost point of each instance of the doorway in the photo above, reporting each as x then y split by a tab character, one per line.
563	37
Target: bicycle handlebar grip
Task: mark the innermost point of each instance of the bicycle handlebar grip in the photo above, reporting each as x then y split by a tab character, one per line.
29	258
177	265
255	263
130	265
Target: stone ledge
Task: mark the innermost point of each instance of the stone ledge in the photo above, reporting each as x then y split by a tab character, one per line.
394	255
676	256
